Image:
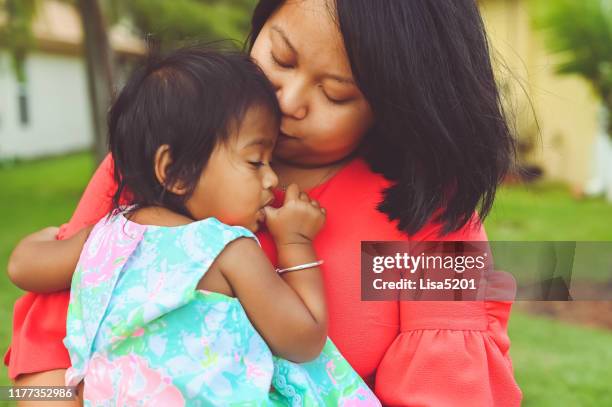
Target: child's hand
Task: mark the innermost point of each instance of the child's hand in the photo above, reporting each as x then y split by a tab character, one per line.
297	221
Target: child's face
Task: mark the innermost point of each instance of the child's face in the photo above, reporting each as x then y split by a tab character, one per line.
237	181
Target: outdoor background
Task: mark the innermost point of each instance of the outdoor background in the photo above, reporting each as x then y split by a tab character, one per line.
554	65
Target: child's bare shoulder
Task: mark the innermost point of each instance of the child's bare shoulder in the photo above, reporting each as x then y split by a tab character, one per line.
159	217
242	253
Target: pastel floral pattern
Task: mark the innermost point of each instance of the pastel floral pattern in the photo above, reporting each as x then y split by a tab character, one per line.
130	381
139	333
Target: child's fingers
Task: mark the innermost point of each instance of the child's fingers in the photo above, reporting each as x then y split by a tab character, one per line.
270	212
304	197
315	204
292	193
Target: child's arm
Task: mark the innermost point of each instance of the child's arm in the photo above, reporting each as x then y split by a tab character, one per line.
42	264
289	311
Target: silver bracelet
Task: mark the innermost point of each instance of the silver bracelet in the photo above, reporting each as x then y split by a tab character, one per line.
300	267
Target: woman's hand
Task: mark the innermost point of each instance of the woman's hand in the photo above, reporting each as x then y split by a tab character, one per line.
47	234
42	264
297	221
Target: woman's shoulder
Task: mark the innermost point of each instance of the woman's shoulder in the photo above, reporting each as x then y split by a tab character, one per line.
472	230
357	192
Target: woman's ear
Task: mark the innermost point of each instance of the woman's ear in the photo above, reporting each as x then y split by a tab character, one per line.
163	159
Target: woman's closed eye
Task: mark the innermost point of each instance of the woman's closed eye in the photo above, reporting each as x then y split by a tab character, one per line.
337	101
279	62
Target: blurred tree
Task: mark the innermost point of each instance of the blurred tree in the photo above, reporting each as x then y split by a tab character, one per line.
170	23
99	62
175	22
581	33
16	33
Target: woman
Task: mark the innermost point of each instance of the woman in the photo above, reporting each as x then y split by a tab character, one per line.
392	121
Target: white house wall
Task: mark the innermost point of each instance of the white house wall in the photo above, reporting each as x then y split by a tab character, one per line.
59	112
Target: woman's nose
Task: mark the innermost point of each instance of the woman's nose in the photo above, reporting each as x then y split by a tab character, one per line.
292	99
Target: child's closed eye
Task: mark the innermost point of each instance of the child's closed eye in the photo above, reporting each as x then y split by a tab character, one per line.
257	164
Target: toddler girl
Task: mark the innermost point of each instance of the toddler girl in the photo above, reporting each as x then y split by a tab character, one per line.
173	302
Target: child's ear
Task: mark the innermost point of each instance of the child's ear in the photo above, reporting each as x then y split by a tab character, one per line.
163	159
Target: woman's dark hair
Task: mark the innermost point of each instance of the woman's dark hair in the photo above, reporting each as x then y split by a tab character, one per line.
440	132
191	100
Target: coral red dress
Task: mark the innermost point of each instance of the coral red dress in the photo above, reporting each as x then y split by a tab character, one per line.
411	353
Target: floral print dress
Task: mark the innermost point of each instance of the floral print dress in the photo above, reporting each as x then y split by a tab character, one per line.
140	333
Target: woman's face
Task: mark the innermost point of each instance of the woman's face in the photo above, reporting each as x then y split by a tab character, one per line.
325	115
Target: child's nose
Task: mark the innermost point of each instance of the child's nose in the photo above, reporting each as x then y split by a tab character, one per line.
270	179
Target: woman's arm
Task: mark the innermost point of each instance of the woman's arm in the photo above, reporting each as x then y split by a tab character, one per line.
39	321
450	352
42	264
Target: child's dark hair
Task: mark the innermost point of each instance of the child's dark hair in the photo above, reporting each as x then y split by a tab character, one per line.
190	100
440	132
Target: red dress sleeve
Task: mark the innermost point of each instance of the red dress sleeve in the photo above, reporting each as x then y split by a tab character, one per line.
39	320
450	353
96	202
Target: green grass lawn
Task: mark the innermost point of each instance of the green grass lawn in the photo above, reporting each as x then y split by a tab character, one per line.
546	211
556	364
34	195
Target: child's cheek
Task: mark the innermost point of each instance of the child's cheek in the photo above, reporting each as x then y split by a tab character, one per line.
237	215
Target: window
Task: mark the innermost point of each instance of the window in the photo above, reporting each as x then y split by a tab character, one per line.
24	114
